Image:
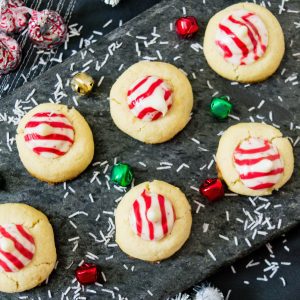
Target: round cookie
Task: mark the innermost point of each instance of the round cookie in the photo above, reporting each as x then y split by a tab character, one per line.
176	225
173	115
254	159
269	47
27	234
55	143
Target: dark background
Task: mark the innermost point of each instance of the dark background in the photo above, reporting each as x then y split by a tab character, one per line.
93	14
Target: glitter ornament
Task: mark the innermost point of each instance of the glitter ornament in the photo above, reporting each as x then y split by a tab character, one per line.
121	174
209	293
14	16
82	83
10	54
212	189
186	27
88	273
46	29
220	107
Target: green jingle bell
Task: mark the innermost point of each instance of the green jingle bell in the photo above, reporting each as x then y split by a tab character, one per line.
220	107
121	174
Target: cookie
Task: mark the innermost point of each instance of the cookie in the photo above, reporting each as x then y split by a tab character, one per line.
151	101
27	247
244	42
153	221
55	143
254	159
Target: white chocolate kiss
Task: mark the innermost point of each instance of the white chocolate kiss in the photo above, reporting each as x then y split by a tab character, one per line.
53	126
260	169
246	32
155	100
160	220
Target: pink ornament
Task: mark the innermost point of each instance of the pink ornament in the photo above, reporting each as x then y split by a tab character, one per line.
47	29
13	16
10	54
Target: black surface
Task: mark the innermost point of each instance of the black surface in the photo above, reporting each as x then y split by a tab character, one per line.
225	279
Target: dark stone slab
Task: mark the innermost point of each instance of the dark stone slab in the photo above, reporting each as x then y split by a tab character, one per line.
192	263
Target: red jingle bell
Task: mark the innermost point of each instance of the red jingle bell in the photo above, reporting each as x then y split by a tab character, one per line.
186	27
212	189
88	273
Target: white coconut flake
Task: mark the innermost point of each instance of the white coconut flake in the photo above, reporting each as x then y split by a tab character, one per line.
224	237
205	227
211	255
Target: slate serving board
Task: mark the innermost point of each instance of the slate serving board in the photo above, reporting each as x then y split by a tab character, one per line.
125	276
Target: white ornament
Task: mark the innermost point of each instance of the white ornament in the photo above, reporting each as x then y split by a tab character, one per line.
180	296
112	2
209	293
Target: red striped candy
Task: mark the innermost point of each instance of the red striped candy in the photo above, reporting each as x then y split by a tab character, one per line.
149	98
47	29
258	163
13	16
17	247
242	37
49	134
10	54
152	216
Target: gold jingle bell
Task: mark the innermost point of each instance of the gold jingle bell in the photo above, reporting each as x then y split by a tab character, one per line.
82	83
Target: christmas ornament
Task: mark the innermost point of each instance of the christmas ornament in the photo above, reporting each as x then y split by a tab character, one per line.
186	27
152	104
212	189
208	293
88	273
181	296
10	54
82	83
46	29
121	174
112	2
220	107
49	134
151	216
258	163
16	246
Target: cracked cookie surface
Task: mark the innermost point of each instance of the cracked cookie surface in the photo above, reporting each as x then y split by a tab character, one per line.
153	251
164	128
233	137
262	68
67	166
44	257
